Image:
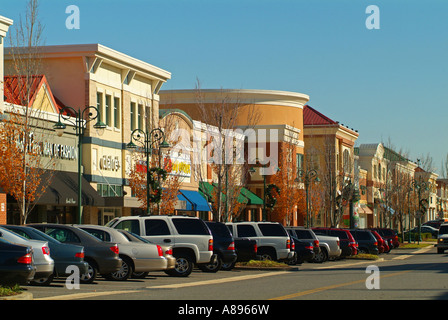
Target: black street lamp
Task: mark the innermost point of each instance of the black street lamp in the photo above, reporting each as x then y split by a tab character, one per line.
419	186
147	140
82	117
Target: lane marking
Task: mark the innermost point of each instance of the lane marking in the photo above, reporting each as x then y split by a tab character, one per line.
216	281
86	295
334	286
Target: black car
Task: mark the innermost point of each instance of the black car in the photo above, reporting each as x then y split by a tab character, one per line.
367	242
102	257
16	264
305	251
63	254
223	246
307	235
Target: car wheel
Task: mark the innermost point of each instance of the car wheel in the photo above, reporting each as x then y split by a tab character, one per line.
228	266
321	257
90	275
267	254
211	267
124	273
182	268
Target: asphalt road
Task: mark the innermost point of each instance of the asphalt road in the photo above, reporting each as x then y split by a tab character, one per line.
400	275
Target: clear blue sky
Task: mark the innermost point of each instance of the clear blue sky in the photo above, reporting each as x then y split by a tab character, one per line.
389	83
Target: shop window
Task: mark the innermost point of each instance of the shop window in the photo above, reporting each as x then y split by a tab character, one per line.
140	116
108	110
99	104
109	190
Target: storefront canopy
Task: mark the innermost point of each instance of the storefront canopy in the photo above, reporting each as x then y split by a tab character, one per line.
63	191
194	200
245	196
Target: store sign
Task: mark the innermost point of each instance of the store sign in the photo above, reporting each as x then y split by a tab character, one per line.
180	166
60	151
110	163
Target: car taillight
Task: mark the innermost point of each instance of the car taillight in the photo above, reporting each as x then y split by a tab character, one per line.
316	243
79	254
288	244
375	243
255	248
46	250
114	249
210	245
231	246
160	251
338	243
26	259
293	246
309	248
169	251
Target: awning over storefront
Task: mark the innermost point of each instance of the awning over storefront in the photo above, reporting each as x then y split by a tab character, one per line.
245	196
364	209
63	191
194	200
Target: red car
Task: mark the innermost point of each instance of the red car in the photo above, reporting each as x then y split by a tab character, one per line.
389	235
383	246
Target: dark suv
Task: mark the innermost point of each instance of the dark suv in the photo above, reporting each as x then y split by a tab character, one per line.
346	241
307	244
223	247
367	242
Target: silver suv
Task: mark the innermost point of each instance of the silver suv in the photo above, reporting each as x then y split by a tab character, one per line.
442	238
273	241
189	237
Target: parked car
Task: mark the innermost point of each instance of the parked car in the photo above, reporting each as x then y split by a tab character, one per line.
423	229
383	246
41	255
63	254
223	246
347	243
246	249
435	223
367	242
136	256
442	238
16	263
330	248
167	253
102	257
308	235
390	235
304	251
273	240
189	237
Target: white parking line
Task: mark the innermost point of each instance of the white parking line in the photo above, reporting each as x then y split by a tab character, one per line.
215	281
86	295
405	256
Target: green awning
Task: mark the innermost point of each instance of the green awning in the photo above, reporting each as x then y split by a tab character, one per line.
253	198
245	195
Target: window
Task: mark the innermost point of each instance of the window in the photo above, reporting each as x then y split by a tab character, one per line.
109	190
108	110
140	116
129	225
156	227
245	230
117	113
346	159
133	127
272	230
190	226
99	104
63	235
299	163
102	235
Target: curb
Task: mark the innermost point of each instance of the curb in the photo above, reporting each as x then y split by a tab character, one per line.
268	269
20	296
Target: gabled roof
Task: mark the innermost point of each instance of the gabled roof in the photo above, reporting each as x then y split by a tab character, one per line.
313	117
16	89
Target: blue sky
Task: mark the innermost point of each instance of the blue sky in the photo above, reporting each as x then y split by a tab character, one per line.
389	83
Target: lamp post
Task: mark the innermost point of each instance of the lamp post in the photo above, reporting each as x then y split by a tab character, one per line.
82	117
308	176
147	140
252	171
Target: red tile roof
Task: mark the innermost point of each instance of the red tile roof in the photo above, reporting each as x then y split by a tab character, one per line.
15	90
313	117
